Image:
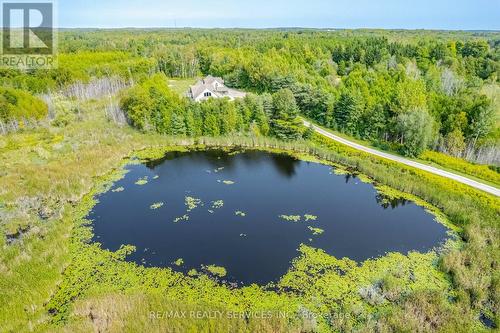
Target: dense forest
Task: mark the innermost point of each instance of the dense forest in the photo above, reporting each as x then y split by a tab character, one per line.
399	90
117	97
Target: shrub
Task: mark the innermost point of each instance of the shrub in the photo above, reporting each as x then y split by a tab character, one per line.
18	105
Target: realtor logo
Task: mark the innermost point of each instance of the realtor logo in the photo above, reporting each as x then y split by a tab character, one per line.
28	34
27	28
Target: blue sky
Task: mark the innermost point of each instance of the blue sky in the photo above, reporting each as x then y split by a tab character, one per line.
416	14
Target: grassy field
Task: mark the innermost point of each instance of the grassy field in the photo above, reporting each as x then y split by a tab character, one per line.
53	279
181	86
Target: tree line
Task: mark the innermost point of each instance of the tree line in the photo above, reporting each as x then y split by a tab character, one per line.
153	106
399	89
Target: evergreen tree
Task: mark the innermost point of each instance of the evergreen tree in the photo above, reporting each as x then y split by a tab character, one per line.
211	125
347	112
191	127
285	123
178	125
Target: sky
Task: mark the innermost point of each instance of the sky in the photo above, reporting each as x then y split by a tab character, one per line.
387	14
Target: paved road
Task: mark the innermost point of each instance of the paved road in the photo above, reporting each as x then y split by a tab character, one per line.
428	168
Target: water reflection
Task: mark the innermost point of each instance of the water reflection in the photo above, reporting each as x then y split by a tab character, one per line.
237	220
389	202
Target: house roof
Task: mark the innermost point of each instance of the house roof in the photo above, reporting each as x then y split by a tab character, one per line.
219	91
207	84
211	79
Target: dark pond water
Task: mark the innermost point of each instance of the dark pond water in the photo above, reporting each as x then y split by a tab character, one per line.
255	248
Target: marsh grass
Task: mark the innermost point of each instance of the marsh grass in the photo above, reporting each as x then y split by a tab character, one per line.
53	279
74	159
119	313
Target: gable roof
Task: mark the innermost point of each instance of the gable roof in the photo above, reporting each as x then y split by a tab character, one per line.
211	79
207	84
218	90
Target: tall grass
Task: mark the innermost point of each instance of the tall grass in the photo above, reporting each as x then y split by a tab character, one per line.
457	164
46	172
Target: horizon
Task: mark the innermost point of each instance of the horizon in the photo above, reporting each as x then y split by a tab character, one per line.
445	15
279	28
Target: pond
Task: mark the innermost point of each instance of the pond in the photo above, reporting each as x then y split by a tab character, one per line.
249	212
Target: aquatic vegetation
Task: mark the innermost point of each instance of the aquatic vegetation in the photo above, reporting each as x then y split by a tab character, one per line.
192	272
240	213
291	218
192	203
340	171
235	152
181	218
142	181
309	217
179	262
118	189
383	280
183	178
256	296
364	179
316	231
156	205
217	204
423	283
216	270
298	218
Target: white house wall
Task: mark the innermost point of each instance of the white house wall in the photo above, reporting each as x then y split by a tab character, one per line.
202	97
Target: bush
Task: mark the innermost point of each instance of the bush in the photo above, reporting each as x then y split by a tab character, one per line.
18	105
153	106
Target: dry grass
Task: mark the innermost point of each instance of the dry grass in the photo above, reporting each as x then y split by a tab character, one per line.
44	174
119	313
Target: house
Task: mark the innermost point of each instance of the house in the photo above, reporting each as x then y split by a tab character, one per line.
212	87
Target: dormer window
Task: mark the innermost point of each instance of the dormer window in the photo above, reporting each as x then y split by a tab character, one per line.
213	87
